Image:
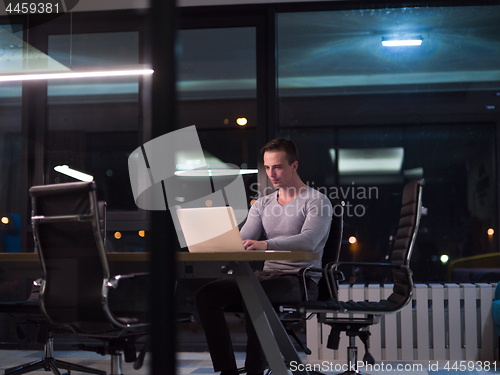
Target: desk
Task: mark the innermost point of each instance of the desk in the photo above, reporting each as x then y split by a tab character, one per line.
273	337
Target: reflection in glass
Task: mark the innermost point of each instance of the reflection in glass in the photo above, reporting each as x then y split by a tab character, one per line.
11	59
217	91
94	123
373	118
10	167
341	52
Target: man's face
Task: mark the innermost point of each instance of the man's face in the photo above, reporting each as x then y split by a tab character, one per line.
277	168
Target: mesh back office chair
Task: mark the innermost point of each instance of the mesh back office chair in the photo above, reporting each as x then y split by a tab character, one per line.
28	312
77	292
369	312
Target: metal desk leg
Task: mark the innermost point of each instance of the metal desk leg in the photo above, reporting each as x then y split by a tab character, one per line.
273	337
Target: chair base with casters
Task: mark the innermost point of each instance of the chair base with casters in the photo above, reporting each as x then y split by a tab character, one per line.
119	350
353	329
28	312
49	363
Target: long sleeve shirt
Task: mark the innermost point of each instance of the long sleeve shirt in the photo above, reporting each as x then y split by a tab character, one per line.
303	224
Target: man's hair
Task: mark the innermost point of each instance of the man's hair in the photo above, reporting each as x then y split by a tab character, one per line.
282	144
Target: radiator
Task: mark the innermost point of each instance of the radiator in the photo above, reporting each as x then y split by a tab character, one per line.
443	322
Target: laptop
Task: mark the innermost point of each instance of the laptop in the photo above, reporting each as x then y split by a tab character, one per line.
210	229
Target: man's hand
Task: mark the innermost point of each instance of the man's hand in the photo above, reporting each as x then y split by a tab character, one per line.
254	245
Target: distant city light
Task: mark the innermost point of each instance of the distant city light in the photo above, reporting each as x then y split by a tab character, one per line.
5	220
352	239
444	258
241	121
491	232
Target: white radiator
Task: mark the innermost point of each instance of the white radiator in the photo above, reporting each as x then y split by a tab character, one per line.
443	322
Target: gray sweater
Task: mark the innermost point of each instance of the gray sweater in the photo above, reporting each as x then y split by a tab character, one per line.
301	225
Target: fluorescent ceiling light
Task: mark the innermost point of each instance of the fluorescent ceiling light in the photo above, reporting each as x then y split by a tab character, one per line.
189	164
370	160
75	74
64	169
399	42
215	172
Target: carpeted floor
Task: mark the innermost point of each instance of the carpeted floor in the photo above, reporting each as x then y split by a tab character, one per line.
200	364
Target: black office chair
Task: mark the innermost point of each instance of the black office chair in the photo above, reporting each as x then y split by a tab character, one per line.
77	292
365	313
287	312
29	313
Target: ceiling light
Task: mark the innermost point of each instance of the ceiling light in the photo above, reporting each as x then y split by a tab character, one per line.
75	74
401	41
356	161
215	172
189	164
64	169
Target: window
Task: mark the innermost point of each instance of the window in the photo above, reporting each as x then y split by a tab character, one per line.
94	124
11	209
380	116
217	90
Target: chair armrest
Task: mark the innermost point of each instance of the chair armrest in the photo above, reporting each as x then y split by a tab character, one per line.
115	280
365	264
339	276
126	300
331	273
302	277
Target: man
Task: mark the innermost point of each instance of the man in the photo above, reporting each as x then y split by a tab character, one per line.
294	217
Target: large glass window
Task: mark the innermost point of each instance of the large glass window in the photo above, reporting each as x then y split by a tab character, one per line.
13	215
95	123
217	92
380	116
11	211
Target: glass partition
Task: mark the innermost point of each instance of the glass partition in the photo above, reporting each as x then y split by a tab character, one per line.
375	98
11	196
94	124
217	92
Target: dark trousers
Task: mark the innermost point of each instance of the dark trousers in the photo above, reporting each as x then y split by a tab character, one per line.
211	300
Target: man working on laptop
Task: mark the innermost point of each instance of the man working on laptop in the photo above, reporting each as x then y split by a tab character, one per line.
294	217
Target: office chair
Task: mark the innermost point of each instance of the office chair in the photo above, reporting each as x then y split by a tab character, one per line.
77	293
287	312
365	313
29	313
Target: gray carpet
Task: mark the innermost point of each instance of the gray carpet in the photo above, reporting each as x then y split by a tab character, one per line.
200	364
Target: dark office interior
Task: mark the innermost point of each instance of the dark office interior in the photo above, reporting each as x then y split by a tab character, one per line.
367	119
